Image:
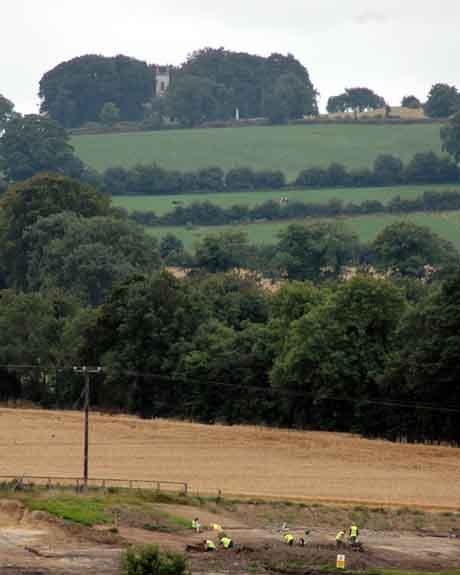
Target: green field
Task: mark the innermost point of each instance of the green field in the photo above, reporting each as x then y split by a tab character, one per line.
164	204
288	148
447	225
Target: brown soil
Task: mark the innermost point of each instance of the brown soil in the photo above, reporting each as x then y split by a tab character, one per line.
37	543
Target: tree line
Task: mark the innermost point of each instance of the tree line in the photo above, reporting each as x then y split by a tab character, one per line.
208	213
81	285
388	170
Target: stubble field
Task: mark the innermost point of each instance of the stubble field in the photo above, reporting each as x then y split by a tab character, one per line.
239	460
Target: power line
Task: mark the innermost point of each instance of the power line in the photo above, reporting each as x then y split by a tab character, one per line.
277	391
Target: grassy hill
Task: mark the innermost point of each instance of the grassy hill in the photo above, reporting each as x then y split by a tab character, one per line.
289	148
447	225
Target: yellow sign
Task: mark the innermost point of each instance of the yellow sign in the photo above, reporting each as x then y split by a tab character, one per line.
340	562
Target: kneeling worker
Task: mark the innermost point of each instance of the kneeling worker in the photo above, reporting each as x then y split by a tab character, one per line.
289	539
340	538
226	542
209	545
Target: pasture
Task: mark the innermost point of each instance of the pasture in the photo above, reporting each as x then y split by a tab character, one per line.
166	203
447	225
239	460
287	148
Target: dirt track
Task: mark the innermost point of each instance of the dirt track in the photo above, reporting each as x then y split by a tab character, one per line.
238	460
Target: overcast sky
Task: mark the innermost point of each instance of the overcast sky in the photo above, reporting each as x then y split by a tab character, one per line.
396	48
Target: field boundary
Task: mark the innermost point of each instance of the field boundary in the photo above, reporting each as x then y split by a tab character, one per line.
50	481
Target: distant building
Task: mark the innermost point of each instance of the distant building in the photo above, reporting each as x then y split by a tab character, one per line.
162	80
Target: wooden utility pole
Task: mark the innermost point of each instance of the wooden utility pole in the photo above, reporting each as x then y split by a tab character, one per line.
86	434
86	371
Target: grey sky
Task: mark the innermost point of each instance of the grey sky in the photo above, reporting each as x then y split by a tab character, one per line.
396	47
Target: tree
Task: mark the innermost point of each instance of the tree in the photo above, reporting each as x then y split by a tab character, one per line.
146	325
233	300
109	114
290	98
357	99
335	354
340	103
425	369
427	167
450	136
443	101
86	256
315	251
363	98
248	79
239	359
75	91
411	250
411	102
170	244
223	251
240	179
193	100
388	170
7	112
31	331
39	197
32	144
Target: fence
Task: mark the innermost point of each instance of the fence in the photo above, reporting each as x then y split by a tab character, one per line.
18	481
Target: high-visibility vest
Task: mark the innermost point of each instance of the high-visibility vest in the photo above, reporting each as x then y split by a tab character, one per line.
210	544
226	542
195	524
340	535
288	537
354	531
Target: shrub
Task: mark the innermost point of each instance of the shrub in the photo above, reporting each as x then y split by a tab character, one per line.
269	179
149	560
210	179
240	179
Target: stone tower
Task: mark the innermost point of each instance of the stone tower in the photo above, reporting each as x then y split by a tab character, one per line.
162	80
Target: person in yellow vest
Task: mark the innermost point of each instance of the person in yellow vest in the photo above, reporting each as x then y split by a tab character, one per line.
289	539
196	525
216	527
226	542
340	538
209	545
353	533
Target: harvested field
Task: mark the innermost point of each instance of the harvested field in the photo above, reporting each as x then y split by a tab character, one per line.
239	460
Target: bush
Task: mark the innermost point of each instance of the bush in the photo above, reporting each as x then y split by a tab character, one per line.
388	170
269	179
240	179
210	179
149	560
